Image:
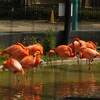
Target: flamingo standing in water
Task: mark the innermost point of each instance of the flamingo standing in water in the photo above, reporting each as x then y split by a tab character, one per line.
37	47
17	51
89	54
77	45
62	51
30	62
14	66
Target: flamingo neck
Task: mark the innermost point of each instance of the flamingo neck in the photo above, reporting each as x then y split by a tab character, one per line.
73	54
74	49
37	60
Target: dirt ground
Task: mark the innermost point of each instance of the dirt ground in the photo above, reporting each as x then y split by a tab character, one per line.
41	25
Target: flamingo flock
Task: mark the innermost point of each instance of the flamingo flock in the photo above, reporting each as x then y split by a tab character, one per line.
79	48
85	50
21	58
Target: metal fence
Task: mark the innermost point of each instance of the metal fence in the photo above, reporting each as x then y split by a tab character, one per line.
26	11
89	10
89	3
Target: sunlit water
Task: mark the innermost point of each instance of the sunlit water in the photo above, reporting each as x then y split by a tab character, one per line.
52	83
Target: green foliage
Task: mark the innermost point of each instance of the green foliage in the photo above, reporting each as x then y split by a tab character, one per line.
49	40
3	58
47	59
33	40
30	40
89	15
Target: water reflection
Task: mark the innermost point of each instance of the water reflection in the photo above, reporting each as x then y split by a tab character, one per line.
22	92
73	84
50	83
80	87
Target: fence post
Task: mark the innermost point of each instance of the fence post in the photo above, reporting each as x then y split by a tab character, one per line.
75	15
67	21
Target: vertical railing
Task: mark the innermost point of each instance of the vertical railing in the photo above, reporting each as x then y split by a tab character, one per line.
38	11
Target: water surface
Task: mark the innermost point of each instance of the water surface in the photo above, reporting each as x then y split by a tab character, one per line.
52	83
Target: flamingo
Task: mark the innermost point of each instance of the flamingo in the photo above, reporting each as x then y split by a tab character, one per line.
62	51
30	61
13	66
91	45
17	51
35	47
77	45
89	54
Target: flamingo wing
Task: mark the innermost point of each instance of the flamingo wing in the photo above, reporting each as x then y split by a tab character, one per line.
17	51
91	45
63	51
35	47
28	62
89	53
13	65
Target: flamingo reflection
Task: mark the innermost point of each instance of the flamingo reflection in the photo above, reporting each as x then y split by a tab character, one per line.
22	92
77	89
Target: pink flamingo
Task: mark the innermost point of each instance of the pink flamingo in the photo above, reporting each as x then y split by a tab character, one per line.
35	47
62	51
17	51
77	45
89	54
13	66
30	61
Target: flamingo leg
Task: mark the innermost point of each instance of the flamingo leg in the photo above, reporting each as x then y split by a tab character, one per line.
86	62
89	66
50	61
62	61
26	78
15	78
78	59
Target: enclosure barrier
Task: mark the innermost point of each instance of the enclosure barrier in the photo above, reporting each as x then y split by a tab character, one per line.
7	39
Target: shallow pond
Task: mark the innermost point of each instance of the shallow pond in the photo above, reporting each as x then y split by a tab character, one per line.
54	82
